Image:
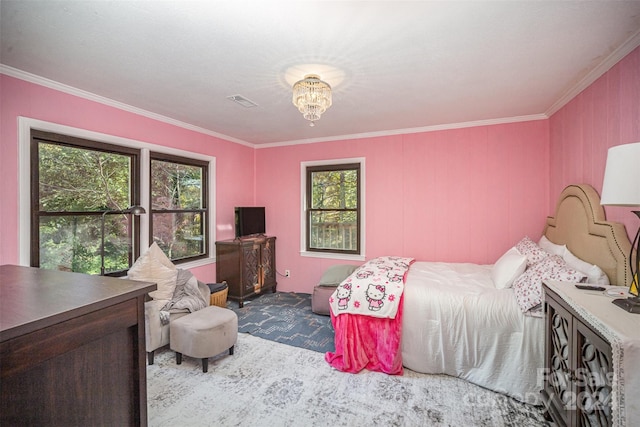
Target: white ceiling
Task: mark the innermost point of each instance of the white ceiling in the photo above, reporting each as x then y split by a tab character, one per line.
394	66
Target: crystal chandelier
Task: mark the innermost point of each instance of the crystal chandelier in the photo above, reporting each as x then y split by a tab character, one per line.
312	96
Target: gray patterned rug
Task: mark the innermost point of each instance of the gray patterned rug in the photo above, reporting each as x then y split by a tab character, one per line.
269	384
285	317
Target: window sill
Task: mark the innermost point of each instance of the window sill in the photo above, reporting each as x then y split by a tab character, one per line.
197	263
329	255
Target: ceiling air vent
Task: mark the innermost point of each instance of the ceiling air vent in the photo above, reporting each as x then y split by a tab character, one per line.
239	99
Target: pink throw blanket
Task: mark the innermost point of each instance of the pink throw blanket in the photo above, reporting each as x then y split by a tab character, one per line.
367	342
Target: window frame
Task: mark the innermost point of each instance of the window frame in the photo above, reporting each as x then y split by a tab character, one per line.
155	155
37	137
332	164
26	125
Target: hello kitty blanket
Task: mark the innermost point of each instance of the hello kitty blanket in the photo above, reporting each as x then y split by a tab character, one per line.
366	314
374	289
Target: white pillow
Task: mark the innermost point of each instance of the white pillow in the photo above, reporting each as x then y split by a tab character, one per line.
594	274
507	269
551	247
154	266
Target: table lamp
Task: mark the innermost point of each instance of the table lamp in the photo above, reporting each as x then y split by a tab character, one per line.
621	187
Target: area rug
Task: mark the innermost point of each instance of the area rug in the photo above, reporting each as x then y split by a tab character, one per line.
286	317
269	384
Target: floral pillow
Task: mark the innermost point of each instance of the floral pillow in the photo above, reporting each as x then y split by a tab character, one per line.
531	250
528	287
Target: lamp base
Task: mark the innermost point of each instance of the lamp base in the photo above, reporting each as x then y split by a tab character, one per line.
632	305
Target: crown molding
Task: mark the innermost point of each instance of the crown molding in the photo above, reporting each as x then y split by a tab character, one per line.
450	126
614	57
51	84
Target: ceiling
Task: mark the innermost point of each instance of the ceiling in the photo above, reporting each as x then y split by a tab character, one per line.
395	67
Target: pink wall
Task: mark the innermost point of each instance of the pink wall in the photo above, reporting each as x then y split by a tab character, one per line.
605	114
456	195
20	98
461	195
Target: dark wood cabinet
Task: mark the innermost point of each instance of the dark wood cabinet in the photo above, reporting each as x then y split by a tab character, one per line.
248	265
578	367
72	349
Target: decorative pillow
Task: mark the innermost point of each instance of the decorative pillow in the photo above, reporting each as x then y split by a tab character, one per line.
595	275
531	250
507	269
154	266
528	287
335	274
551	247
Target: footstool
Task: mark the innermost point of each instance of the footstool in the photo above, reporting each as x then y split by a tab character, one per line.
330	279
320	299
203	334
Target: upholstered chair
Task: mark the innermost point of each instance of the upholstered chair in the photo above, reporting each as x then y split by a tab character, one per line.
157	334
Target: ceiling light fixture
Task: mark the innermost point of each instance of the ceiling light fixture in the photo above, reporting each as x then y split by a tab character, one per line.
312	96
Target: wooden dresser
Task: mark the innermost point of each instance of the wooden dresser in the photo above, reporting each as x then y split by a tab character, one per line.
72	349
248	265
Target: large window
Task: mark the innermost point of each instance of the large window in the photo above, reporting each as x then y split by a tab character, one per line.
333	208
75	184
78	186
179	206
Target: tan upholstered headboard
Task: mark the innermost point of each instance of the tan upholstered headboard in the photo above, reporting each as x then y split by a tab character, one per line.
580	223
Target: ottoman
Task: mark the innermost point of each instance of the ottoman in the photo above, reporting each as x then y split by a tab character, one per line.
203	334
320	299
330	279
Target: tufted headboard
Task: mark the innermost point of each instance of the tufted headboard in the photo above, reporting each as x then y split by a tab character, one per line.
580	223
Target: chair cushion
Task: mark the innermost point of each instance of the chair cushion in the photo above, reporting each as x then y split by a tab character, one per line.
335	274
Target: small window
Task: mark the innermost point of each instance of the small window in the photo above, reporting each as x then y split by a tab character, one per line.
179	213
333	208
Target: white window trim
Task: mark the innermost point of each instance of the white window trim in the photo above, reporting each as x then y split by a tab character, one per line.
25	125
303	210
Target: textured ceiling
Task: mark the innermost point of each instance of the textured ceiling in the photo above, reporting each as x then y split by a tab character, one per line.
394	66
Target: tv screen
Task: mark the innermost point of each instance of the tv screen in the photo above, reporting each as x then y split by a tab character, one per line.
249	221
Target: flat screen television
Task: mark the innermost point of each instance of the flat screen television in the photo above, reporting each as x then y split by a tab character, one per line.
249	221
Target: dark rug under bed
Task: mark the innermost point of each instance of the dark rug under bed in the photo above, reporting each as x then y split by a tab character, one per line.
285	317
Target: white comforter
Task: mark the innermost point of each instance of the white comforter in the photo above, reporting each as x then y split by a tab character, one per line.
457	323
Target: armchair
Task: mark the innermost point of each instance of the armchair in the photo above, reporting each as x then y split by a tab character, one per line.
157	334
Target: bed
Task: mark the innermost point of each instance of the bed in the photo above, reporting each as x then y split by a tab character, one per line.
453	320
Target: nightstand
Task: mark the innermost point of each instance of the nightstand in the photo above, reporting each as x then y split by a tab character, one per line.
592	358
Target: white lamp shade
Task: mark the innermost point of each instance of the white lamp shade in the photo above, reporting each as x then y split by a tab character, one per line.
621	186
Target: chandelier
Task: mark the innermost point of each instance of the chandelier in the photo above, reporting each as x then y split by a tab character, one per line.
312	96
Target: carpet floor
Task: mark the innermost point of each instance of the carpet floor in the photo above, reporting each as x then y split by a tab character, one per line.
269	384
285	317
